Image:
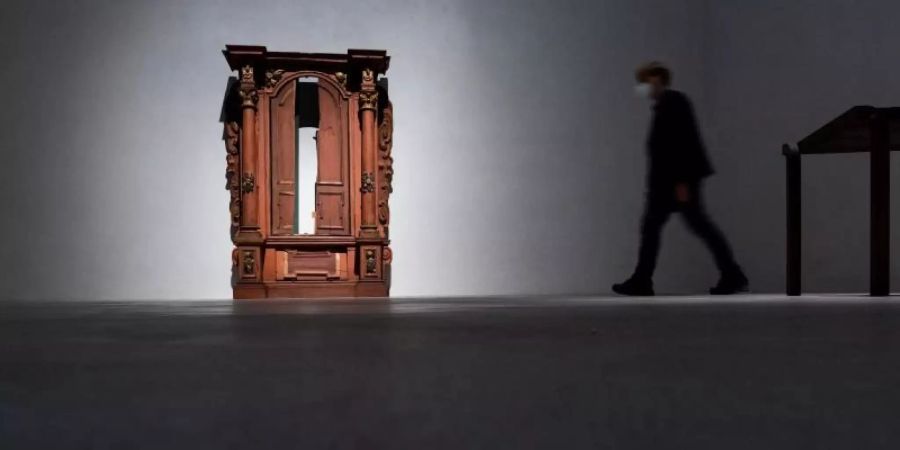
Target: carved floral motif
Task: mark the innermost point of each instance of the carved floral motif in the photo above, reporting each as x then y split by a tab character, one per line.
368	183
248	183
273	77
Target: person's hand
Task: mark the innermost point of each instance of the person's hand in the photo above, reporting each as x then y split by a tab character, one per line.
682	193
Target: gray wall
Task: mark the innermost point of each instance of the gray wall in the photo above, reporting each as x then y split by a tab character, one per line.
518	143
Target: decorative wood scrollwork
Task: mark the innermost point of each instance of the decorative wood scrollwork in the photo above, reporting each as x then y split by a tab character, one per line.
341	78
386	163
232	161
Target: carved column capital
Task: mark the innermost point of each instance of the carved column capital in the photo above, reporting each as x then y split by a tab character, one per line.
368	96
248	88
368	100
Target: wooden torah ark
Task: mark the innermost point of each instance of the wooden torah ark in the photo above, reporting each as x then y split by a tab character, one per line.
348	253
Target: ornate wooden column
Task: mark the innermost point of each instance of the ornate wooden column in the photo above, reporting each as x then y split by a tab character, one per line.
249	196
368	104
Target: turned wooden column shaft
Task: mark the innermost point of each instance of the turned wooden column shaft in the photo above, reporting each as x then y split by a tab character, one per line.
249	181
368	104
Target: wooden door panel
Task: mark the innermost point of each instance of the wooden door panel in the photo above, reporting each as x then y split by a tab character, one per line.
286	204
284	162
329	144
332	203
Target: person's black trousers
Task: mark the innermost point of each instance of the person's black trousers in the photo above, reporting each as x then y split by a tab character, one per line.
660	204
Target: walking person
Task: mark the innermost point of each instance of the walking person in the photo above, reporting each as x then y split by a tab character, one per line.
678	164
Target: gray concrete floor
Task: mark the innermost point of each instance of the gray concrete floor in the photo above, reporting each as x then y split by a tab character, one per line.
748	372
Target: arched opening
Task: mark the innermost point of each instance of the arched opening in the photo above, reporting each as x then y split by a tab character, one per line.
307	121
309	158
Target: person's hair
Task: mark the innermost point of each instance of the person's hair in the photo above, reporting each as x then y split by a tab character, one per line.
654	69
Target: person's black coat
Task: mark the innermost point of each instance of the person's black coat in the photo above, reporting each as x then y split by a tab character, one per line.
676	150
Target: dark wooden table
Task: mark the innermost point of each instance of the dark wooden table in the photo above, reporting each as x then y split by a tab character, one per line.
859	129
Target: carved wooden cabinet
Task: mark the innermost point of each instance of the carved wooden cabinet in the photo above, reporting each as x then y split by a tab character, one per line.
308	139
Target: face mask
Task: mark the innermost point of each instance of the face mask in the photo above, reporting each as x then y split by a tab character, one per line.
643	90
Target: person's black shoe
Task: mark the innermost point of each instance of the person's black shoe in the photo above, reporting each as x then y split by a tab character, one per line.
634	287
730	284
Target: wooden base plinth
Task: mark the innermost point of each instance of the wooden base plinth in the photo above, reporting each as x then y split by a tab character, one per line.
311	289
